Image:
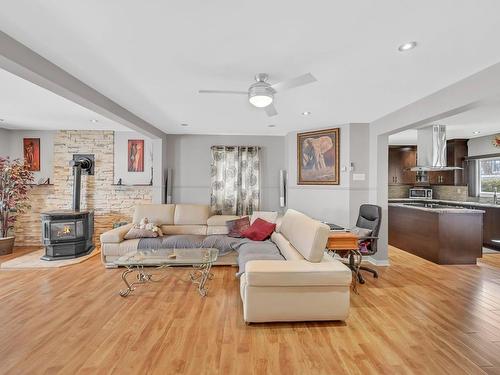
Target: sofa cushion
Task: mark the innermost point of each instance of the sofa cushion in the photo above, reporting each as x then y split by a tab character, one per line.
115	235
157	213
216	229
184	229
297	273
259	230
236	227
286	248
307	235
269	216
218	220
191	214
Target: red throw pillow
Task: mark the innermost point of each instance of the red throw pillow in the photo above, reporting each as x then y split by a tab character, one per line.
259	230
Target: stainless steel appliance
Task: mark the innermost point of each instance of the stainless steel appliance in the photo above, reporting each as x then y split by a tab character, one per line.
431	149
420	193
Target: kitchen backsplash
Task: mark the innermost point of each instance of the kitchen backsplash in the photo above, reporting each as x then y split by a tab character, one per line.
450	193
399	191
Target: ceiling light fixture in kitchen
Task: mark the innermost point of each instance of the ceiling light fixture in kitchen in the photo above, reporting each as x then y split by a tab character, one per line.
476	132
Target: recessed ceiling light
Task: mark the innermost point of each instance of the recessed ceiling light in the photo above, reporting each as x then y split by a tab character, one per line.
306	113
271	126
476	132
407	46
94	120
184	125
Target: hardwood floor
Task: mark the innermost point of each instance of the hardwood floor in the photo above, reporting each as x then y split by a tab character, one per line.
417	318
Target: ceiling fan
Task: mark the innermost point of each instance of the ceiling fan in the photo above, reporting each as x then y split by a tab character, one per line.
261	93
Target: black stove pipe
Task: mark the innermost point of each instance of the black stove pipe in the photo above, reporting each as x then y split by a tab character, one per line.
77	183
77	165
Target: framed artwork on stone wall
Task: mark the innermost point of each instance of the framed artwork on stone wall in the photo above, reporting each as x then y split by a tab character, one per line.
135	155
318	157
31	151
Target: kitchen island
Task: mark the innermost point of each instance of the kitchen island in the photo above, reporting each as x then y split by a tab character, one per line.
440	233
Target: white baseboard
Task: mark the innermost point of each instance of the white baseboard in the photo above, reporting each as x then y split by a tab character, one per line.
376	262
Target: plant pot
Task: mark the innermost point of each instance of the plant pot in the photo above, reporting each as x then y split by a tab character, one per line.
6	245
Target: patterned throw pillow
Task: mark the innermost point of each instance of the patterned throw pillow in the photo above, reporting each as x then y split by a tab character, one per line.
134	233
235	227
260	230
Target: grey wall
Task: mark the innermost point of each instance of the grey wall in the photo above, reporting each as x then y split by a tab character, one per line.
337	204
4	142
482	146
189	157
121	159
15	140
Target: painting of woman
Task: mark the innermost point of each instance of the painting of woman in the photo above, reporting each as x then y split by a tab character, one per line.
136	155
31	148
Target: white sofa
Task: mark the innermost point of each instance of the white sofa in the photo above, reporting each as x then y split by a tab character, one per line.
173	219
308	285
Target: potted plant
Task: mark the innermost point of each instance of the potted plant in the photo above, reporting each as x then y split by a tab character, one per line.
15	180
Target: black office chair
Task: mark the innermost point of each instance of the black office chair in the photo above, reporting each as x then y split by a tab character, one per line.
370	217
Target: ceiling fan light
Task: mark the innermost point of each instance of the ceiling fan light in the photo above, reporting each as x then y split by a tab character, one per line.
260	101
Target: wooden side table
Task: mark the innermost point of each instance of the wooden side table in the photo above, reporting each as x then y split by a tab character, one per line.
346	245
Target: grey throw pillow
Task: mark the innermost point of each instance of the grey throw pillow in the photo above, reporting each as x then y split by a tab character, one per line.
361	232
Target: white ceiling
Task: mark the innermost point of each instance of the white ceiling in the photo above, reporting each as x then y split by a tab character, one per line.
485	120
152	56
24	105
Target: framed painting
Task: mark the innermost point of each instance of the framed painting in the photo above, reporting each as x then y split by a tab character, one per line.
318	157
31	151
135	155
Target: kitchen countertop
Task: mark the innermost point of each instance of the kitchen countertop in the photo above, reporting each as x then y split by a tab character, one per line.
447	210
467	203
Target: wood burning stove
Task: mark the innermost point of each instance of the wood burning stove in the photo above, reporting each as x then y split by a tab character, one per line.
68	233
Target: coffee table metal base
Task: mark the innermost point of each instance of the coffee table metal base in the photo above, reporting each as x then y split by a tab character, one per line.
198	276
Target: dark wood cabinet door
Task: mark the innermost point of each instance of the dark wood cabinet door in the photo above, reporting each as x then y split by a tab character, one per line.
394	166
408	159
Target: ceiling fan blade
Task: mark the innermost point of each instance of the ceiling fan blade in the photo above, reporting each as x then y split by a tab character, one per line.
222	92
294	82
271	110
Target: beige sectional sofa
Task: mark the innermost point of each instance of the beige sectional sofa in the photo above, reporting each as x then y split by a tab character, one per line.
172	219
306	285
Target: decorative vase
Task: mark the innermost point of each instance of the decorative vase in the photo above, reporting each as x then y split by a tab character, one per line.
6	245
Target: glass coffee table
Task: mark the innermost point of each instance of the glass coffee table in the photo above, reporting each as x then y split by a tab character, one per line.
140	261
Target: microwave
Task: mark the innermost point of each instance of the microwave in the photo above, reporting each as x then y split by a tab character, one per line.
421	193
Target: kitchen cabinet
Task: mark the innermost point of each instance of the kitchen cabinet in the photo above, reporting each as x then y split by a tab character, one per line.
456	152
401	159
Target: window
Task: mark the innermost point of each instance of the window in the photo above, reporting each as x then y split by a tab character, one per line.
489	175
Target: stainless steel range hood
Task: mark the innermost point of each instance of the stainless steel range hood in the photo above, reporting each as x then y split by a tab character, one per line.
431	149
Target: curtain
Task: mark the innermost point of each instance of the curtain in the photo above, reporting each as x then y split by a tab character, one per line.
235	180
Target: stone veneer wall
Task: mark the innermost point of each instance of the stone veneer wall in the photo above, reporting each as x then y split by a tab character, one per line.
109	203
28	228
